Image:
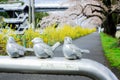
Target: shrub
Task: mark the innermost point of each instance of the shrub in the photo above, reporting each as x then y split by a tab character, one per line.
39	16
50	35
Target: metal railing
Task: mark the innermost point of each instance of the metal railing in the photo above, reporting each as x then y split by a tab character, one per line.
57	65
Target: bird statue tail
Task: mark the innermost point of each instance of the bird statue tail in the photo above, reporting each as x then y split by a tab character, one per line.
55	45
29	49
85	51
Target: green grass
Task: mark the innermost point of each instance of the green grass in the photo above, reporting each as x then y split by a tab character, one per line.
111	49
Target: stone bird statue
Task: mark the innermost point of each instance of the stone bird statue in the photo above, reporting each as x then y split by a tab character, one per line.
71	51
15	50
42	50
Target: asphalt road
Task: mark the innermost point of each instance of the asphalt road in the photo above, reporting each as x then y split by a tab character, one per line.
91	42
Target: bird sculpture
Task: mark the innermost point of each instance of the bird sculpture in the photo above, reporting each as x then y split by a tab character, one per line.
71	51
42	50
15	50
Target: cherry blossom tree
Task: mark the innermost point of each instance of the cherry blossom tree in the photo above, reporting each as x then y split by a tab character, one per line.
110	9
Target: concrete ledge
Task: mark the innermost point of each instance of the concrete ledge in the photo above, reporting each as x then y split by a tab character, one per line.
57	65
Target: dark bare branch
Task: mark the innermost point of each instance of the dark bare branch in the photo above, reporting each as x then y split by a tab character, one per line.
99	11
94	15
116	8
116	11
98	6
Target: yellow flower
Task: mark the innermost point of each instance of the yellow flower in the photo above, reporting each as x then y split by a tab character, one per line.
50	35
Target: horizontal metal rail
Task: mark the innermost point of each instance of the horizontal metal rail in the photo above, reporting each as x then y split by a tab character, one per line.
16	20
48	9
57	65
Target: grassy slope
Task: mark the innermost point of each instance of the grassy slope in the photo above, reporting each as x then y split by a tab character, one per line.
111	49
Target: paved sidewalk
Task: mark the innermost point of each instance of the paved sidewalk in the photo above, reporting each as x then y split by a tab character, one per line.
91	42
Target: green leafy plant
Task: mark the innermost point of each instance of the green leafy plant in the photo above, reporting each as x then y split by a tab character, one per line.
111	49
39	16
50	35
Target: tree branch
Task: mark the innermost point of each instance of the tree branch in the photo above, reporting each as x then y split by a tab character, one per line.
98	6
99	11
94	15
116	11
102	11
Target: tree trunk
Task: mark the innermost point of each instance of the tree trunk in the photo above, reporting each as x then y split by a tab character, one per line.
109	25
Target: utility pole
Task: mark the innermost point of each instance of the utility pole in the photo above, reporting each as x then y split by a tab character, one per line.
30	12
33	14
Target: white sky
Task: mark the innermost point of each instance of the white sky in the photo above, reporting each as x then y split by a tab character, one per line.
46	3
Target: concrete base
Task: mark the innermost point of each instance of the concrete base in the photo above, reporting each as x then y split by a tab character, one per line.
57	65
